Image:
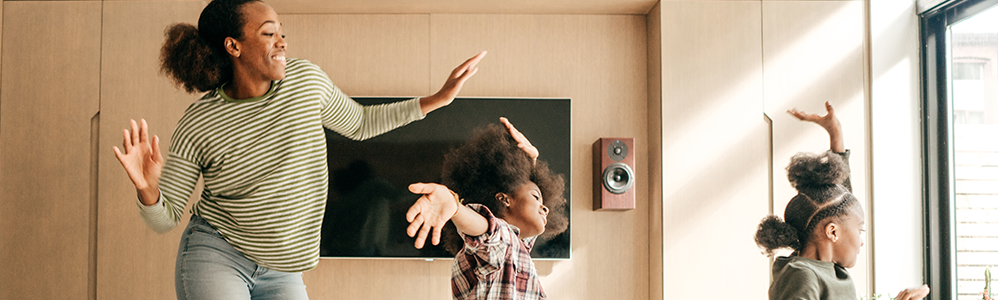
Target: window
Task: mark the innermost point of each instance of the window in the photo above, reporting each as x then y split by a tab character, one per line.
960	138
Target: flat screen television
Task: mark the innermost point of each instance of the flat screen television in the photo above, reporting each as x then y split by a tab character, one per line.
368	180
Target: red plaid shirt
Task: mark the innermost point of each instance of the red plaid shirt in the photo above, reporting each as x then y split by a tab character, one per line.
495	265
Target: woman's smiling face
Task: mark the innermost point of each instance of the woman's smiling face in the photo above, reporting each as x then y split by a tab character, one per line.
262	48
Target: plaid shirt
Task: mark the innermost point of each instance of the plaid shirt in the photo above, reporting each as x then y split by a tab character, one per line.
495	265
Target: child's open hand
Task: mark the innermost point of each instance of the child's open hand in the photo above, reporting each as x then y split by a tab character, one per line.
829	122
913	293
430	212
521	141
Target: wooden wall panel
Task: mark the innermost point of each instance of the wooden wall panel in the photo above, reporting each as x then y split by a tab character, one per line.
600	62
638	7
813	52
134	261
365	55
714	149
49	91
655	272
559	56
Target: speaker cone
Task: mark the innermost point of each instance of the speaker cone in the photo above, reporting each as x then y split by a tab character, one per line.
618	178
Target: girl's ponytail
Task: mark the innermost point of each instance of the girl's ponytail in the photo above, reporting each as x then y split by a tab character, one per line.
775	234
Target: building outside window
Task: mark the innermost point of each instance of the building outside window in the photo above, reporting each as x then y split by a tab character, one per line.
974	48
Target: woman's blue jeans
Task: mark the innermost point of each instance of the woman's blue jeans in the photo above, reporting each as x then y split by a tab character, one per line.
209	268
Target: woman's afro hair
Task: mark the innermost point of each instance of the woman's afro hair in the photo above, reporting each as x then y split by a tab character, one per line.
194	57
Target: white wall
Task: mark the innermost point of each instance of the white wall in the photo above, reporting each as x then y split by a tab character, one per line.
896	146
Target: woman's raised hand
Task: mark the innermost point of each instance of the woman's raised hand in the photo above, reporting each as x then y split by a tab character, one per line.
521	141
430	212
142	161
452	86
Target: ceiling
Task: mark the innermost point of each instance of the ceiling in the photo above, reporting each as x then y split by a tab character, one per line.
602	7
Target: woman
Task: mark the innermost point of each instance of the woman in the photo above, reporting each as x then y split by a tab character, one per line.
256	137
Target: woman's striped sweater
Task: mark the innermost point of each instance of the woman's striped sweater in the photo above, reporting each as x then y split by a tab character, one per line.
263	161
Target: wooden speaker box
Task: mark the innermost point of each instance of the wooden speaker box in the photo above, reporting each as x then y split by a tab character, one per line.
613	174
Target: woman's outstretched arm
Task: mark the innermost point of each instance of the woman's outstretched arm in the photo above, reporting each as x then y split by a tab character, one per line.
452	86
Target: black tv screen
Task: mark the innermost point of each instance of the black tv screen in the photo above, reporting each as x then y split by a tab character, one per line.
368	180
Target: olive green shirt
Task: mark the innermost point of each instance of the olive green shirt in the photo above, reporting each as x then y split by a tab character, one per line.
796	277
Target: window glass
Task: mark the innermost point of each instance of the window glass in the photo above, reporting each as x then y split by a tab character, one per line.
974	94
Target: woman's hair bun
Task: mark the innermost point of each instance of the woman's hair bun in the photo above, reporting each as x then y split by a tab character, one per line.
775	234
809	170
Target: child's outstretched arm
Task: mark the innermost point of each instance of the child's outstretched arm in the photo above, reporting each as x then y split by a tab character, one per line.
829	122
438	205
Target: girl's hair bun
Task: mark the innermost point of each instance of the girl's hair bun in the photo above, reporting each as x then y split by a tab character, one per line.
775	234
812	170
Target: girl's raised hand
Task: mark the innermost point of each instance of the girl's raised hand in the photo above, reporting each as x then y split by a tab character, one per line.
142	161
521	141
829	122
430	212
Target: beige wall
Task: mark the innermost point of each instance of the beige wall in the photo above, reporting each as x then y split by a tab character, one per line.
133	260
48	102
597	60
691	81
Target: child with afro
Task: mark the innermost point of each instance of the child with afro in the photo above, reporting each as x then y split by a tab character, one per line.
510	198
822	224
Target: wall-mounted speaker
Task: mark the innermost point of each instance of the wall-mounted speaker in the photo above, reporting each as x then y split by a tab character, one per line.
613	173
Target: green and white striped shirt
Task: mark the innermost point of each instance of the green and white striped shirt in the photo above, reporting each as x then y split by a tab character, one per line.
264	163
